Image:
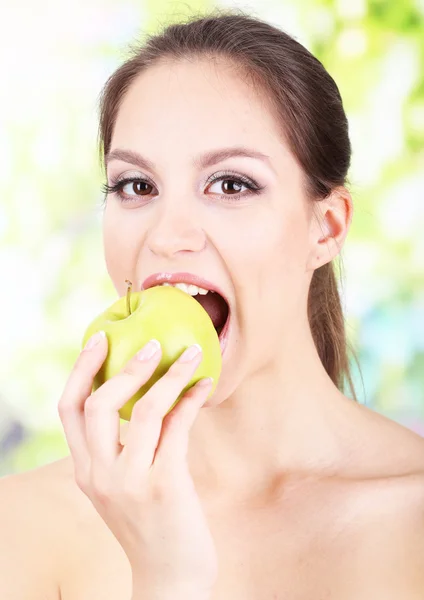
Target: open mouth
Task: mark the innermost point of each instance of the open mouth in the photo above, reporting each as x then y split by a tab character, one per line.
214	304
216	307
219	311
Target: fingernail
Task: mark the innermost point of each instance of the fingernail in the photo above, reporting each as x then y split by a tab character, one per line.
190	353
94	340
205	382
149	350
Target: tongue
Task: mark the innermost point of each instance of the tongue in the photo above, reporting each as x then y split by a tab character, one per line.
215	306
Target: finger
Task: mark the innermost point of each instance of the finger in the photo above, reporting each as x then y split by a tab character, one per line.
77	388
101	408
147	415
176	426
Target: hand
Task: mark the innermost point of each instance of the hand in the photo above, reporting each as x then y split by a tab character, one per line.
143	491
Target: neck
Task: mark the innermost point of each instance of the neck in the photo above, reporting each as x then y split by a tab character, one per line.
281	422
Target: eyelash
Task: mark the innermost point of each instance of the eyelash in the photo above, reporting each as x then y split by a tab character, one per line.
118	184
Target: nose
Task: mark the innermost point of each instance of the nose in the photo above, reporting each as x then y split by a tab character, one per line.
175	229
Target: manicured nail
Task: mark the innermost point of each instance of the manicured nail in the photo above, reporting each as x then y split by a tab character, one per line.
205	382
94	340
149	350
190	353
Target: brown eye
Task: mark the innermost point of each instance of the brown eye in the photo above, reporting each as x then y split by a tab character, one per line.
136	187
230	187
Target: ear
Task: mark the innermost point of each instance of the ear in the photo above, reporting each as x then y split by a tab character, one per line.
330	223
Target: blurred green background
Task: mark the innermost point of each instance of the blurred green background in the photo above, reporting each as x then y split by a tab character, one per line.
54	59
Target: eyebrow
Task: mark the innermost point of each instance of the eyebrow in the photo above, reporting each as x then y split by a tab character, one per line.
202	162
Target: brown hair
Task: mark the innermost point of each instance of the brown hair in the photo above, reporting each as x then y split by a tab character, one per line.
306	102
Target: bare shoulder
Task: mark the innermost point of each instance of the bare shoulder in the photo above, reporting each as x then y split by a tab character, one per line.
31	516
402	482
396	451
390	460
389	505
389	544
31	493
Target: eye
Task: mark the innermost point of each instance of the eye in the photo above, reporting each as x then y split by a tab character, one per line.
129	189
137	187
230	186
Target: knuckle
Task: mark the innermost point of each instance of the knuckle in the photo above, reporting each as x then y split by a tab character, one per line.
64	407
177	371
131	368
193	391
92	404
175	420
144	411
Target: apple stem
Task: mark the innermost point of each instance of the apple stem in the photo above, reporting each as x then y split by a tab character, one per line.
128	296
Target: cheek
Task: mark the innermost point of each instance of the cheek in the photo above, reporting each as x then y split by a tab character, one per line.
274	260
120	247
273	248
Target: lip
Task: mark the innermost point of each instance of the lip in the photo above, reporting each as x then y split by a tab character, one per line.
158	278
184	277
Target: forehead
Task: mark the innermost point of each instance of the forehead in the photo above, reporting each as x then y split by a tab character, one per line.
199	104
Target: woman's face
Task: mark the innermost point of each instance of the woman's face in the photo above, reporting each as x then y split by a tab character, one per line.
255	245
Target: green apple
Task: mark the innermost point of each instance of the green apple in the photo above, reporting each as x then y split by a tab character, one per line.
171	316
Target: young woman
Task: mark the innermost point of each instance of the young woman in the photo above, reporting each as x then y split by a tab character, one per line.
226	151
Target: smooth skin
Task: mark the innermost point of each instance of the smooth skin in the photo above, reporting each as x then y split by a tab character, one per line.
301	492
143	490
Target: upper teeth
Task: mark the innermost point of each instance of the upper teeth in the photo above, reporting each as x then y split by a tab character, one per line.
189	288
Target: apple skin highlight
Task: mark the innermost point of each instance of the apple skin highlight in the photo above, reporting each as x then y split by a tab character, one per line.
171	316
